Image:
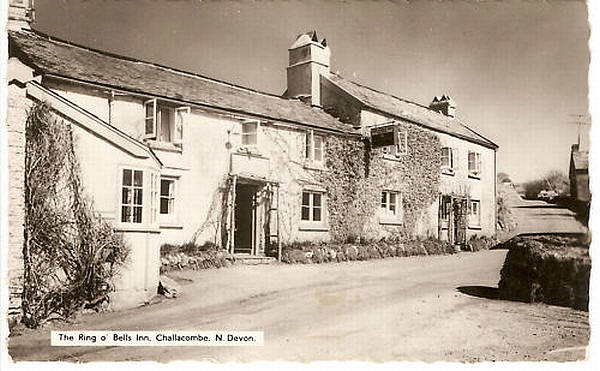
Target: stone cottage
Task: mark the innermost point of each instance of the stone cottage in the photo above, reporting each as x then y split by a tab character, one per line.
170	156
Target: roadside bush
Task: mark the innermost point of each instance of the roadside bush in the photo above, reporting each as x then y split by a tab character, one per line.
553	269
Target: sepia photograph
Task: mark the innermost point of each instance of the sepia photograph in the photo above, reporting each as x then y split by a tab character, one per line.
298	181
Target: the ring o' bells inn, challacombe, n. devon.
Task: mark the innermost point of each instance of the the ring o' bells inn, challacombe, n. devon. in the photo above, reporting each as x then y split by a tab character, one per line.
212	161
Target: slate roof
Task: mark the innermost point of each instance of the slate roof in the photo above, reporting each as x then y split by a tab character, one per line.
408	110
50	56
580	160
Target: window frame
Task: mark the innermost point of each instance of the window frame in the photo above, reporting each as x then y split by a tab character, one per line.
171	197
131	204
322	222
386	215
475	224
310	147
476	172
176	118
244	135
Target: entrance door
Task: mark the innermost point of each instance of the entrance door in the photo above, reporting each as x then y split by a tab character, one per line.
245	213
460	221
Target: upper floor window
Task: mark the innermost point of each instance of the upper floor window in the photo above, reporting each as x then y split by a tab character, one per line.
391	207
474	164
164	122
312	206
132	196
475	213
315	147
449	163
250	133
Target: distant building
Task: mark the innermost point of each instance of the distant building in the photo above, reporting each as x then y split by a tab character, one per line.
578	174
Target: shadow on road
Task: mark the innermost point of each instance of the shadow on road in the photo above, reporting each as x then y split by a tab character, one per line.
479	291
538	206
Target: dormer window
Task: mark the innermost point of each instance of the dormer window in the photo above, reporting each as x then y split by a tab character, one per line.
164	122
315	147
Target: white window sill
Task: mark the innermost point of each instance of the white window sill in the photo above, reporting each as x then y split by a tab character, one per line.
251	151
316	227
390	222
474	176
475	227
165	225
448	171
136	228
164	146
392	158
313	165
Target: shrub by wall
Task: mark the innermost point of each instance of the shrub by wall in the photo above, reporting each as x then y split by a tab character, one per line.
70	254
552	269
308	252
192	256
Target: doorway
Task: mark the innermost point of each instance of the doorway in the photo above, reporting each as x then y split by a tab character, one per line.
245	219
460	221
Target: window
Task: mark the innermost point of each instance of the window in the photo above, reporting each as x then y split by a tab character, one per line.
474	164
132	197
164	123
448	160
167	196
250	133
314	147
391	207
400	146
475	213
312	206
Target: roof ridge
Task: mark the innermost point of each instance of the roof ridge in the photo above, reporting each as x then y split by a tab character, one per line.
382	92
168	68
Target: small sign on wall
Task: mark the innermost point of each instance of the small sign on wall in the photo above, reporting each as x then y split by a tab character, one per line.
384	136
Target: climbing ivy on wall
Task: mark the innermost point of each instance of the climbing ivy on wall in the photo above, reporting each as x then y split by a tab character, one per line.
71	255
357	174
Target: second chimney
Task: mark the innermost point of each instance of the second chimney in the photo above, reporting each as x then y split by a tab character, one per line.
444	105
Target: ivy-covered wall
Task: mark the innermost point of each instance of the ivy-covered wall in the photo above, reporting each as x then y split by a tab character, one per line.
357	174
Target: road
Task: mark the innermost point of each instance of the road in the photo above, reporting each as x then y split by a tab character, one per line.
418	308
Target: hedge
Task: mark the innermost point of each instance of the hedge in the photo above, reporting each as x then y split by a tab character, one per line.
553	269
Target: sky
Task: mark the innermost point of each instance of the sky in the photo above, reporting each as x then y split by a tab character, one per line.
516	69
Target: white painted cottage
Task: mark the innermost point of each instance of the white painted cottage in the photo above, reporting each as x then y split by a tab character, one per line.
170	156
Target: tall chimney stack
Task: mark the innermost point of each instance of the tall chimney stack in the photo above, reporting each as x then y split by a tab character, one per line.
308	60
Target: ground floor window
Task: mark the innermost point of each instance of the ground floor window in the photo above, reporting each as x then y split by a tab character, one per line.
132	196
312	206
391	207
475	213
167	196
